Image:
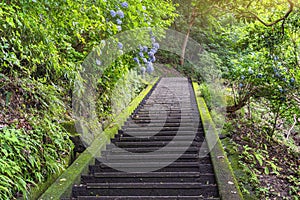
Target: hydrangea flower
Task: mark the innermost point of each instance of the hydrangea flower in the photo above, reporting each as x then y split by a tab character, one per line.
136	59
259	75
243	77
150	67
145	48
113	13
143	70
119	21
145	60
150	54
98	62
124	4
144	7
150	32
120	14
153	39
119	28
141	48
153	51
120	45
153	59
156	45
292	80
141	54
241	85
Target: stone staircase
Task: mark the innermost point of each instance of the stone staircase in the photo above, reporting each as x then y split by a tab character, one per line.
158	154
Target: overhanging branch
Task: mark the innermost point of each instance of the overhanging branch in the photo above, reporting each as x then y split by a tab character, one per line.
278	20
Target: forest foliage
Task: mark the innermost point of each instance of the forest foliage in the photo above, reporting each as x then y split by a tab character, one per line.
255	45
42	46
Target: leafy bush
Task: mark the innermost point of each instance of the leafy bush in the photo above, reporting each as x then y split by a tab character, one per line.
42	46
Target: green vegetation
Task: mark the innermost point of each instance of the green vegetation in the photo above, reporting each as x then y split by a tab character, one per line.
251	48
42	46
255	46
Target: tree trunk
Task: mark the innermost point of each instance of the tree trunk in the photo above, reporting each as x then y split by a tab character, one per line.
186	39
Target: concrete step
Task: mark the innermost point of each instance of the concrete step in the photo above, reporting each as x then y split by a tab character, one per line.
149	166
161	177
130	144
145	189
157	138
169	150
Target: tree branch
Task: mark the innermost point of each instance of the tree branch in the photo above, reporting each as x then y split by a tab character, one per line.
290	130
278	20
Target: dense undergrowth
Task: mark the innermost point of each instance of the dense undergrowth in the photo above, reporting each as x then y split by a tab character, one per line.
254	45
42	46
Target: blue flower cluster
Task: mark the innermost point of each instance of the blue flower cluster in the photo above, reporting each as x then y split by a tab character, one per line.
119	14
147	55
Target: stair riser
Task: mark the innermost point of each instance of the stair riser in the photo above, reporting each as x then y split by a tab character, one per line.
205	191
98	169
208	179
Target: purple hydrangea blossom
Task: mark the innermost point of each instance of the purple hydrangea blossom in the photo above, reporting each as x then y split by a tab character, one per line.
119	28
153	39
113	13
153	51
141	48
120	13
119	22
136	59
150	67
124	4
150	54
120	45
98	62
143	70
145	60
145	48
156	45
153	59
141	54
